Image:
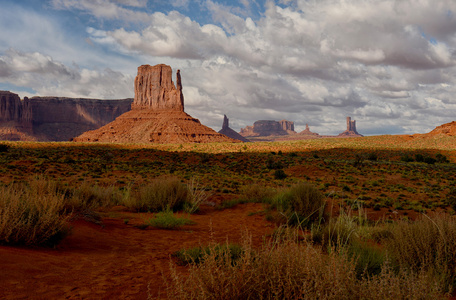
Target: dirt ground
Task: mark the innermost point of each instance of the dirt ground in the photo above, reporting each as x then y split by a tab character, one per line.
118	260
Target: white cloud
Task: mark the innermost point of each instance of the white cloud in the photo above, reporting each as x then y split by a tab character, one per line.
108	9
386	63
48	77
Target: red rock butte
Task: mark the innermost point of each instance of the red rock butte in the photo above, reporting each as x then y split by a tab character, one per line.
157	114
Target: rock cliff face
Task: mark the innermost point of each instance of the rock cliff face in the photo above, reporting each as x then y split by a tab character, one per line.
13	109
268	128
226	130
54	118
154	89
157	115
15	118
351	129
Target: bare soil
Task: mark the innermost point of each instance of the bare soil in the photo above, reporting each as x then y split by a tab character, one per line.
116	260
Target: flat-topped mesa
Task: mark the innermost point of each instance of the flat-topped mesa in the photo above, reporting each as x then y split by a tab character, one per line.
154	89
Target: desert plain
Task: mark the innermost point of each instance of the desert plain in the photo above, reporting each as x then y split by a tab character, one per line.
110	253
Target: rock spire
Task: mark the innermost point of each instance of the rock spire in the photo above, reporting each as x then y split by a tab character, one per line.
154	89
226	130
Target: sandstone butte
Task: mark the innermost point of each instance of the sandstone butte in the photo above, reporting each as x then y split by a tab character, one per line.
226	130
157	114
351	129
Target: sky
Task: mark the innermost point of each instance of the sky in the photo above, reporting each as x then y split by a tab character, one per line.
389	64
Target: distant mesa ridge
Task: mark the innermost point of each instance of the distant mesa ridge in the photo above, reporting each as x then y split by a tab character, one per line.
157	114
268	128
54	118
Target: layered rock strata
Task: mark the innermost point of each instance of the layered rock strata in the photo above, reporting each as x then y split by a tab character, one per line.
226	130
154	89
54	118
268	128
157	114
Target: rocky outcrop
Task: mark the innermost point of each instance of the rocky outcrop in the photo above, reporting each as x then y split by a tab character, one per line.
445	129
154	89
351	129
226	130
307	132
157	115
268	128
54	118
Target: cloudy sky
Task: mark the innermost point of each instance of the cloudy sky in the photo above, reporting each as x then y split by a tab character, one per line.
389	64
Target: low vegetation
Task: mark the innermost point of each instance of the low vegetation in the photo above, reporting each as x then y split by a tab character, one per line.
363	218
32	214
168	220
288	269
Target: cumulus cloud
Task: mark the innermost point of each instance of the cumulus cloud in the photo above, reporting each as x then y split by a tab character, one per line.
389	64
48	77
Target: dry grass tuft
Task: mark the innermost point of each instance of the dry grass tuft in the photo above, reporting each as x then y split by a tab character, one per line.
429	244
286	269
32	214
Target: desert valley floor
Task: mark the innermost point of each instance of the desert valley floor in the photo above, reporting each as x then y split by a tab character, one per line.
110	254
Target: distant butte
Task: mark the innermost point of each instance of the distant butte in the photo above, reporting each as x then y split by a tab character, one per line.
308	133
157	114
351	129
226	130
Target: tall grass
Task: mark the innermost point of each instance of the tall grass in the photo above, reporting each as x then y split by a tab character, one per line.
161	194
302	204
32	214
291	270
429	244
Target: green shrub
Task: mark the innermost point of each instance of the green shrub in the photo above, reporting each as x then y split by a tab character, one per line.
32	214
451	198
167	220
372	156
407	158
430	160
419	157
301	204
4	148
280	174
441	158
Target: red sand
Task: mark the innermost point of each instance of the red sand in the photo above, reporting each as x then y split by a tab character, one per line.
118	260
